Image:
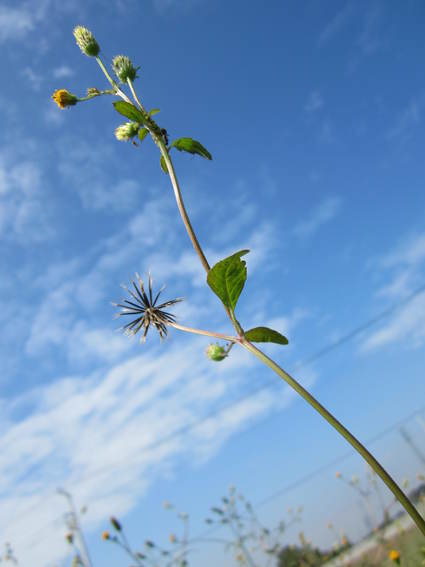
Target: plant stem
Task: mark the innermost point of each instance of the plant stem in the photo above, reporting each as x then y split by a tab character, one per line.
368	457
181	207
361	449
202	332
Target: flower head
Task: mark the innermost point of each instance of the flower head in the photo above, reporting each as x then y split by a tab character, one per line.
64	98
123	68
86	41
106	535
146	310
126	131
394	555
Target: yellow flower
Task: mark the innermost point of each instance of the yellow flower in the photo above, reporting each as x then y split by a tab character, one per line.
394	555
172	538
63	98
338	475
105	535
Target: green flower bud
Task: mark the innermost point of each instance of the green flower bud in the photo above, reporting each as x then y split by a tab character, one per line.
86	41
126	131
115	523
216	352
123	68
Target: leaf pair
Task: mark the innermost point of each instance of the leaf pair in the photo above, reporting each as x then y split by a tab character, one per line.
227	279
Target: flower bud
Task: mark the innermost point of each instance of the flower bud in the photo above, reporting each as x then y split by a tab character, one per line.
86	41
69	538
115	523
126	131
123	68
63	98
216	352
106	535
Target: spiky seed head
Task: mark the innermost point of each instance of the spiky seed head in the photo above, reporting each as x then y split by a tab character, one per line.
216	352
123	68
126	131
144	306
86	41
64	98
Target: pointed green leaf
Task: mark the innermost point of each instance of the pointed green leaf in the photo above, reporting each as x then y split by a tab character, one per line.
265	335
153	111
163	165
129	110
191	146
143	132
227	279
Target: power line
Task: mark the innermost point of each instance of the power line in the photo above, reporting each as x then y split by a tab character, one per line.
259	389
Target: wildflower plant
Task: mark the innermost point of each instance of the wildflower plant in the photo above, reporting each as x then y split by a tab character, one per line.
226	278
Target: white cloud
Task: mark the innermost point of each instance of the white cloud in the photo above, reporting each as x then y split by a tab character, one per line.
407	120
335	25
83	165
22	211
407	325
314	102
63	72
106	436
15	22
34	78
322	214
402	267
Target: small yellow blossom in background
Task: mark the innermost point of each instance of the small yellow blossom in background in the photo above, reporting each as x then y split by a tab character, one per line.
394	555
105	535
64	98
338	475
172	538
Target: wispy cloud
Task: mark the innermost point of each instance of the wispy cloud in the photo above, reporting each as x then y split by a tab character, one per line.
335	25
407	120
403	271
314	102
322	214
22	211
107	435
15	22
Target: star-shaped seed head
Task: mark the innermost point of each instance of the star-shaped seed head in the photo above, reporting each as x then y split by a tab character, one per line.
143	306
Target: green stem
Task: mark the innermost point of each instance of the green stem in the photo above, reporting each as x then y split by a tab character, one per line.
368	457
202	332
180	205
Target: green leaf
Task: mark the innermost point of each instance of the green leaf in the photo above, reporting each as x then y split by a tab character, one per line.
129	110
227	279
191	146
265	335
163	165
143	132
153	111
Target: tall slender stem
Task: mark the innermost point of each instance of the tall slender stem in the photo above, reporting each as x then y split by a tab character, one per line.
368	457
220	336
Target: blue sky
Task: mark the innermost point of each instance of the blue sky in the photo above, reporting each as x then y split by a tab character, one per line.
314	115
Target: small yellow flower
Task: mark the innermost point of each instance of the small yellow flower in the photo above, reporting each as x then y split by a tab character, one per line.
105	535
338	475
172	538
394	555
64	98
